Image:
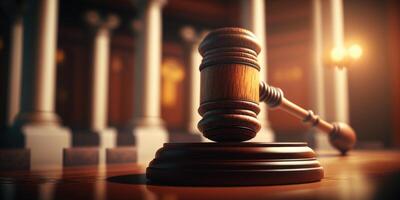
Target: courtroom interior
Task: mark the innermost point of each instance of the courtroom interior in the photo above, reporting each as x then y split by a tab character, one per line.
98	97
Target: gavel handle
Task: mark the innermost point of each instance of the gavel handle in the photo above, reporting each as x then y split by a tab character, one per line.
341	135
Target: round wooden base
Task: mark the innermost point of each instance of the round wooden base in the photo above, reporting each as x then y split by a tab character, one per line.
234	164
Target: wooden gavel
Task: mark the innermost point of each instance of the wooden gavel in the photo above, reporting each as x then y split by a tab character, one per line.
231	91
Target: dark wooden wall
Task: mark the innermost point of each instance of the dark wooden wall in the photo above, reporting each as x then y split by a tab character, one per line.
4	69
370	85
289	53
393	7
120	93
73	77
173	112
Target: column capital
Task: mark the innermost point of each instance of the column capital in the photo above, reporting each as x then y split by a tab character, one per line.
142	3
97	21
190	36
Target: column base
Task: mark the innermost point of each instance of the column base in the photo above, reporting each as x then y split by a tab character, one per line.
37	118
184	137
192	128
192	132
103	139
148	122
46	144
266	134
148	140
125	137
322	141
107	139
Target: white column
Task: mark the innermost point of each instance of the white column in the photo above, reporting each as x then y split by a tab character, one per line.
37	120
100	72
100	61
39	70
316	80
253	19
148	126
14	90
337	83
193	40
340	91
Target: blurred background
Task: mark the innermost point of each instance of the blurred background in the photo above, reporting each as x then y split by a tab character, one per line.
298	42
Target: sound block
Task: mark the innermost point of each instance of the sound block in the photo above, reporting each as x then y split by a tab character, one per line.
234	164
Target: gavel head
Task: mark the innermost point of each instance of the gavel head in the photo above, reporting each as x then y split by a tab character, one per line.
342	137
229	94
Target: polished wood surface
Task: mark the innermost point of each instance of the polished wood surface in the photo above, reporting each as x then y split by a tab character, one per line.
229	82
360	175
234	164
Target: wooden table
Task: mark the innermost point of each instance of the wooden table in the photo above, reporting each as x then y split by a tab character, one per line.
356	176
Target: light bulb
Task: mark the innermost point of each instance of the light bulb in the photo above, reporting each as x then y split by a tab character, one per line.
338	54
355	51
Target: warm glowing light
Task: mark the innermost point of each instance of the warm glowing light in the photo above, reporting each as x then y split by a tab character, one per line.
355	51
172	74
60	56
343	57
338	54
